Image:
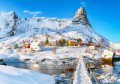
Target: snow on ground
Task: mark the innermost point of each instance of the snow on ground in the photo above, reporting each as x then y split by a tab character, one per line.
81	74
61	52
115	45
11	75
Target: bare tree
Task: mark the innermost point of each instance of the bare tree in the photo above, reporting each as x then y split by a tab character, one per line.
54	50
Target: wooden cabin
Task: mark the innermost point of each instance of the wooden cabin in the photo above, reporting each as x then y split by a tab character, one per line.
84	43
52	43
72	43
118	50
92	47
92	44
27	45
81	43
36	46
14	46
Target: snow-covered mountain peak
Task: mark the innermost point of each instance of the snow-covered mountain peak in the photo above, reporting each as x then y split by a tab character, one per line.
81	17
80	13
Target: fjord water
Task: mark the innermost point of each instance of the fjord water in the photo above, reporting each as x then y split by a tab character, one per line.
64	71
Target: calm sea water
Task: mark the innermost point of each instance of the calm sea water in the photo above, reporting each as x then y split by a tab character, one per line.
52	70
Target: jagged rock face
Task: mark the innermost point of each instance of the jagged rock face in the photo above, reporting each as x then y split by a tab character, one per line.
81	17
7	24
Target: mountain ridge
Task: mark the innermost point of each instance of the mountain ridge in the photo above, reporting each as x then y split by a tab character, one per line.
78	27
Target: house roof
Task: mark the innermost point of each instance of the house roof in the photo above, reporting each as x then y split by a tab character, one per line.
52	40
35	43
73	40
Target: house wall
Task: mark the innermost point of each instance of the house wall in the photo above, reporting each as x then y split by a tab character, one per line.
72	43
52	43
27	45
92	47
68	43
14	46
35	48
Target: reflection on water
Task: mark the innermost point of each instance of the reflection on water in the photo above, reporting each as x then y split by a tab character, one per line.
42	68
53	70
104	68
108	72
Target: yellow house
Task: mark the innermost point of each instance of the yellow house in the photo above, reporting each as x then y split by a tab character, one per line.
72	43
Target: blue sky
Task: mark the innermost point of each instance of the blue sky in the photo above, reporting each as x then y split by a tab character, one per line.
104	15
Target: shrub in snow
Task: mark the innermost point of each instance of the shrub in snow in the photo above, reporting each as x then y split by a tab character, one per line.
63	42
47	41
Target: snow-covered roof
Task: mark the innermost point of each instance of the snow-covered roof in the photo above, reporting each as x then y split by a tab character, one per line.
51	40
35	43
73	40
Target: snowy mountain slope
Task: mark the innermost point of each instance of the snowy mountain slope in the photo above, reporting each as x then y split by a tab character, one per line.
41	23
7	23
78	27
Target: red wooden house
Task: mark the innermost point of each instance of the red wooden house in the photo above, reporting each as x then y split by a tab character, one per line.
92	44
115	50
81	43
118	50
97	46
27	45
87	44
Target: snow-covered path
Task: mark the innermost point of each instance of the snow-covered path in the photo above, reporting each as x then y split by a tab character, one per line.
81	74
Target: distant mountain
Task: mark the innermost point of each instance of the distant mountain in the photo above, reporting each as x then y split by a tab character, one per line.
78	27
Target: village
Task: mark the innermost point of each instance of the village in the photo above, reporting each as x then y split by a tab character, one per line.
52	51
33	45
47	42
36	45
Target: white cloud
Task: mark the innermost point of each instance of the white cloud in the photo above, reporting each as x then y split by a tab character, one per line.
26	11
83	4
33	13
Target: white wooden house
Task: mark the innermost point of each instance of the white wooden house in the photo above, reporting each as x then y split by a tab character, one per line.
13	46
92	47
36	46
52	43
